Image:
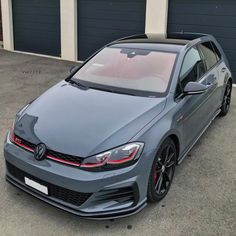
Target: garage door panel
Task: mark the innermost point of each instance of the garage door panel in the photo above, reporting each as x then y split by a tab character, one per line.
28	10
100	22
23	27
231	55
204	7
216	17
92	44
34	35
40	25
205	20
37	3
114	5
227	44
217	31
44	48
104	24
106	34
36	26
116	15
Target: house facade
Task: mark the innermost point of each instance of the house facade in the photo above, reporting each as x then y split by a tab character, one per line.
74	29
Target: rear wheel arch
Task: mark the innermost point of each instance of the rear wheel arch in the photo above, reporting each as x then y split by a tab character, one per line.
230	80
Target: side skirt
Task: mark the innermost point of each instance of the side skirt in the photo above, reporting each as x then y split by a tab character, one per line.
203	131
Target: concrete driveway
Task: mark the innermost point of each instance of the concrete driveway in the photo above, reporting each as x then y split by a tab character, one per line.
202	199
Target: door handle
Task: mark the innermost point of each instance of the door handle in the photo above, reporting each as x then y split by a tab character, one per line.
211	84
223	70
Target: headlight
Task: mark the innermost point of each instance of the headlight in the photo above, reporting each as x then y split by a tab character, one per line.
119	157
13	138
12	135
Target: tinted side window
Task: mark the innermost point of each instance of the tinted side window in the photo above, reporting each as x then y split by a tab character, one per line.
193	67
209	54
218	54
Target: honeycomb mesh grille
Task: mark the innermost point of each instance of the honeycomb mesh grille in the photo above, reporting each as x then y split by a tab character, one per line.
66	195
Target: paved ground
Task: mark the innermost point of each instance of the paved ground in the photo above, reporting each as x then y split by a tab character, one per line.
202	200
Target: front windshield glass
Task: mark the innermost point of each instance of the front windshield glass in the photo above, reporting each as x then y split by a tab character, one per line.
129	69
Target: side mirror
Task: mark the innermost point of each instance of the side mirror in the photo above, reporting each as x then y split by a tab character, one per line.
73	69
194	88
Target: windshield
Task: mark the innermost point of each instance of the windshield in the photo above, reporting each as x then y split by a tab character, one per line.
135	70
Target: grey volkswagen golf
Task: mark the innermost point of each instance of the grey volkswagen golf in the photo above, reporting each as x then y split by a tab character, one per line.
107	139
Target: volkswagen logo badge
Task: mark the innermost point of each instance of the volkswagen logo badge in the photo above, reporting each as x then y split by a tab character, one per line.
40	151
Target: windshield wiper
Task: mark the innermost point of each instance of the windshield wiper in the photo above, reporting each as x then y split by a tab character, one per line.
112	91
121	92
80	85
74	82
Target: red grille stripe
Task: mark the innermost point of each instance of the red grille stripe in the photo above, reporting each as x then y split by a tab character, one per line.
18	143
62	161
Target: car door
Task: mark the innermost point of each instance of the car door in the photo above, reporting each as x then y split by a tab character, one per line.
212	76
193	109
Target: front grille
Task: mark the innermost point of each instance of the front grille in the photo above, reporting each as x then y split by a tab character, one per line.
64	157
66	195
70	159
26	143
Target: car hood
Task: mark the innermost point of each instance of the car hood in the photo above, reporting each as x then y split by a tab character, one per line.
85	122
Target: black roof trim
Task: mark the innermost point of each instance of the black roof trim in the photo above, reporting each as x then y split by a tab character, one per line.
186	35
180	38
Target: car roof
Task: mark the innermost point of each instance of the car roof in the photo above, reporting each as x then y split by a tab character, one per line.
168	42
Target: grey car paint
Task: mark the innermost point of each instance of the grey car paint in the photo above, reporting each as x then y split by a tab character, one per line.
60	118
75	108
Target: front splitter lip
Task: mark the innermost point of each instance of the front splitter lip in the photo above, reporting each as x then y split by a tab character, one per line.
93	216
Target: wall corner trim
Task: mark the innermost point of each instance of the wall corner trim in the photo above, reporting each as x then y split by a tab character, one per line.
7	25
69	47
156	16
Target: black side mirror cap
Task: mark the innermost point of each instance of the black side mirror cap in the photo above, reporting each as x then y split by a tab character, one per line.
194	88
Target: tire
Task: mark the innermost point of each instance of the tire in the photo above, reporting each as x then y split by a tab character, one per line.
226	100
160	178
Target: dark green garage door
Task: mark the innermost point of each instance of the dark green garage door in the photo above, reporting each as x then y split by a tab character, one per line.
100	22
216	17
36	25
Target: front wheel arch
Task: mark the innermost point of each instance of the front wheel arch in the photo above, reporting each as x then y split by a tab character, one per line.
177	144
175	138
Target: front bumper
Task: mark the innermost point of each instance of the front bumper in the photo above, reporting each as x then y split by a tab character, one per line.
95	195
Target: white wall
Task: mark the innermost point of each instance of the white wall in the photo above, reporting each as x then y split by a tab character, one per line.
69	30
7	24
156	16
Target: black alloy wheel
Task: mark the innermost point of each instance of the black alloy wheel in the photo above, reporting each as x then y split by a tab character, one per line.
163	170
